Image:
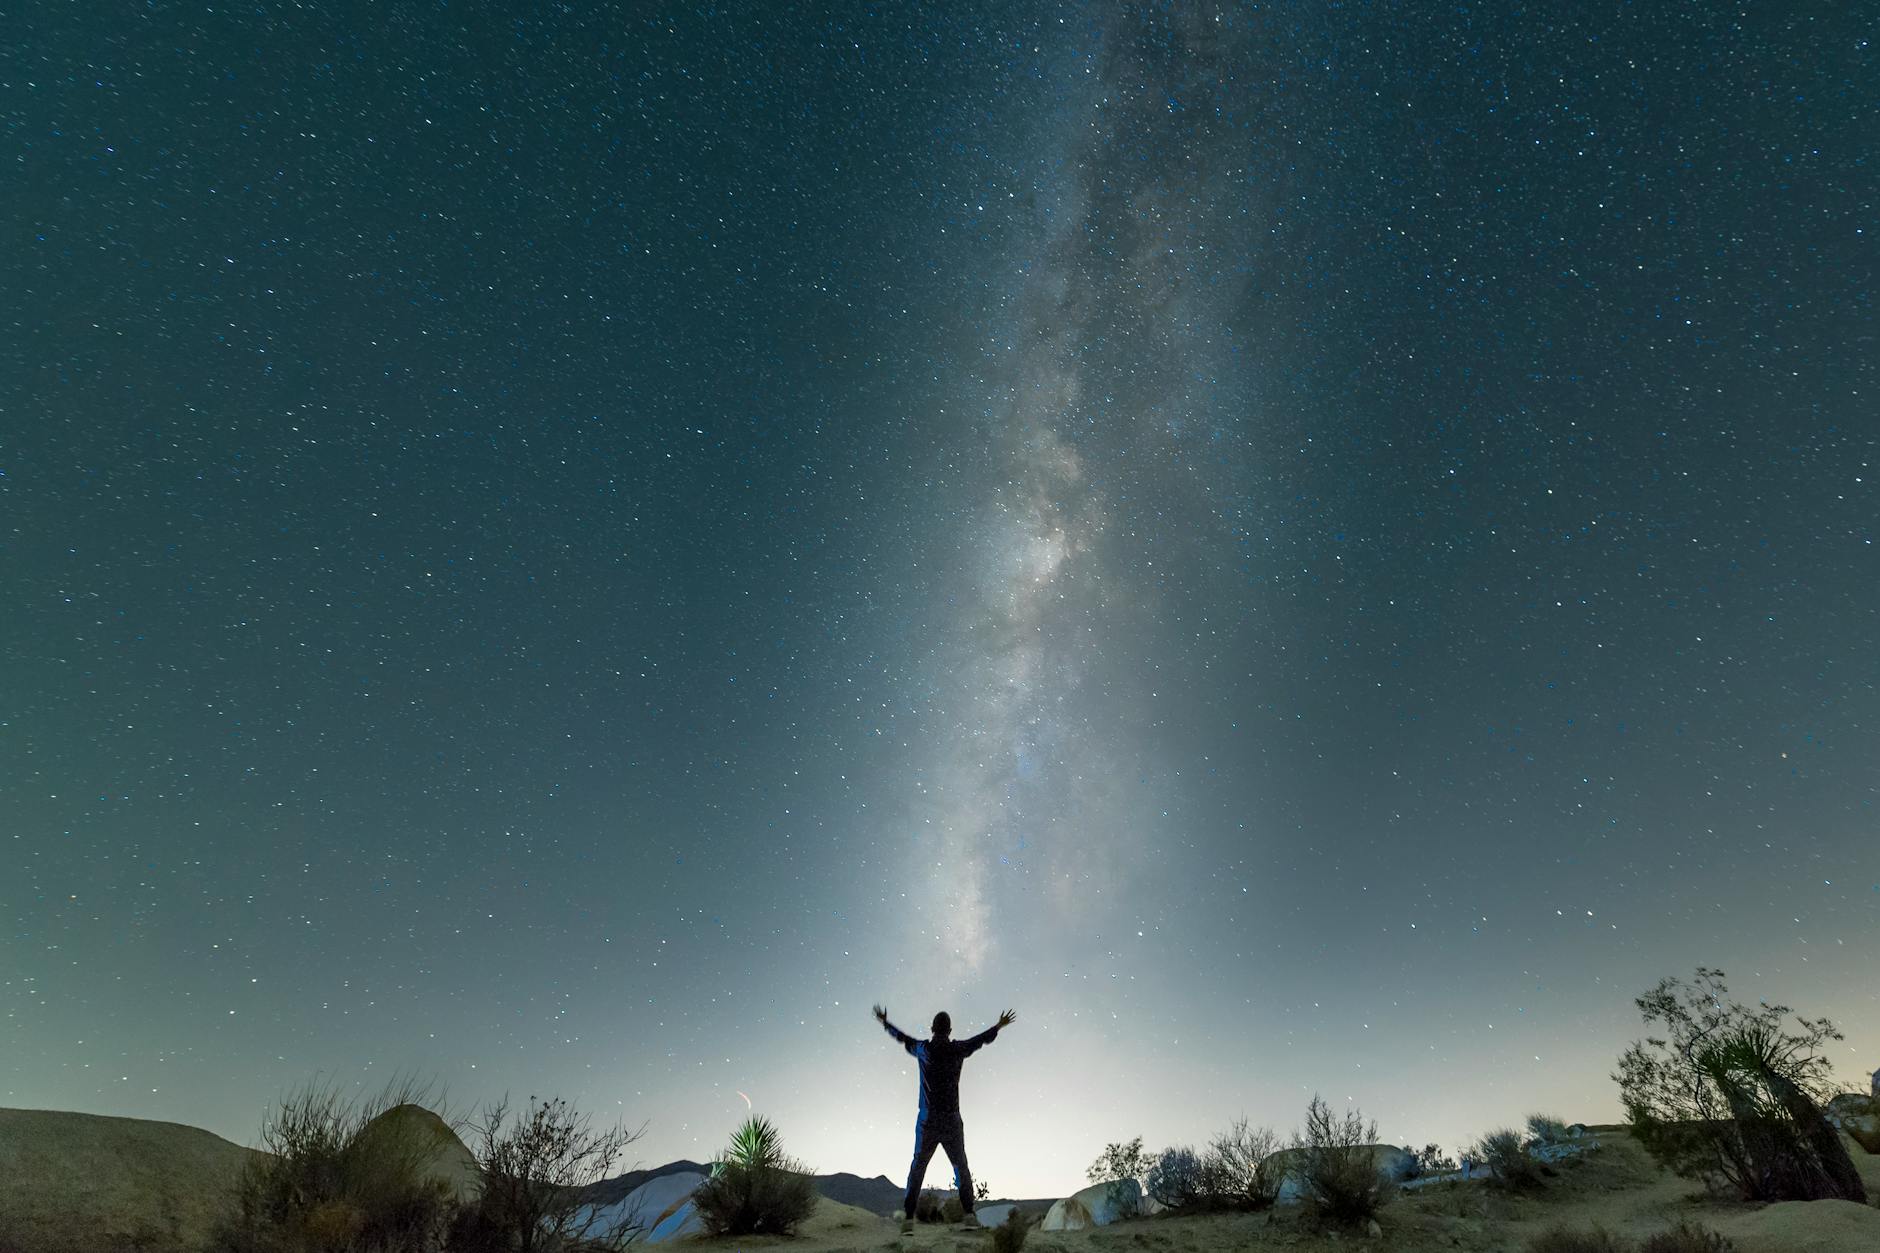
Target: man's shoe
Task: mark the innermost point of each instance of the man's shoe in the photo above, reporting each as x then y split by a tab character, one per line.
907	1224
970	1220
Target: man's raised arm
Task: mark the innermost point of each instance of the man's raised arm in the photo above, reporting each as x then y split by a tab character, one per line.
901	1037
975	1043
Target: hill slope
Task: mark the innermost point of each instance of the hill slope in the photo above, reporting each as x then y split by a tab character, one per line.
84	1183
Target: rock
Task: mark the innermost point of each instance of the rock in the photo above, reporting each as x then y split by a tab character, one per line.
647	1205
1849	1105
1099	1205
1876	1086
1577	1130
412	1132
683	1221
994	1215
1372	1230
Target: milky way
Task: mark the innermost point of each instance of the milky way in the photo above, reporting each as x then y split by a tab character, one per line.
1306	548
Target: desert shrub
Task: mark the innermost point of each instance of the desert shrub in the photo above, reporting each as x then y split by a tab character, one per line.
755	1188
1120	1161
1732	1095
1687	1237
1337	1169
1506	1155
1009	1236
336	1177
1175	1178
1568	1240
1431	1160
951	1210
1240	1168
532	1171
1546	1129
929	1206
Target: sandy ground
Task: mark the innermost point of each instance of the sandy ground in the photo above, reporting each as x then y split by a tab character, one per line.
1617	1188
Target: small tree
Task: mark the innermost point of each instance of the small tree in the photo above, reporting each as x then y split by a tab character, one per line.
1431	1160
1732	1095
1120	1161
534	1170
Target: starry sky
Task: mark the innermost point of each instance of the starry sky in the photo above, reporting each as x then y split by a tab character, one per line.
571	550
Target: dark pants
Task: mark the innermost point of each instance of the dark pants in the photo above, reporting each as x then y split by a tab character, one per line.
939	1131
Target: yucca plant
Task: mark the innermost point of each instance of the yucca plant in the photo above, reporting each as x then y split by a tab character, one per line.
756	1143
755	1187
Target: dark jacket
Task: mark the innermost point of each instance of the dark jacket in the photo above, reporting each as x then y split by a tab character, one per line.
940	1059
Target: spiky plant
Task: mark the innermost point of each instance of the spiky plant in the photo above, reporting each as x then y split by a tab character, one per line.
757	1143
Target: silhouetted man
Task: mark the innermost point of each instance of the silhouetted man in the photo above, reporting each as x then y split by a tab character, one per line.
939	1125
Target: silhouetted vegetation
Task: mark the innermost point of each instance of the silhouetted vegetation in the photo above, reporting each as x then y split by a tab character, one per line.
340	1175
1241	1169
1009	1236
1546	1129
531	1172
1174	1178
1732	1095
1336	1167
1431	1160
1120	1161
1511	1165
755	1188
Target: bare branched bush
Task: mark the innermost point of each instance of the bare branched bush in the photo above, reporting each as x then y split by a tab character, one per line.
1732	1095
1431	1160
755	1187
533	1167
342	1171
1337	1166
1243	1166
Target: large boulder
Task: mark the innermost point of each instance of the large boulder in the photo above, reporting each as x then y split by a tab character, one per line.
412	1133
1099	1205
1848	1105
1395	1164
1875	1091
993	1215
648	1205
683	1220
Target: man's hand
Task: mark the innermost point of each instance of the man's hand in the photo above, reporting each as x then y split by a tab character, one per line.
1007	1018
881	1015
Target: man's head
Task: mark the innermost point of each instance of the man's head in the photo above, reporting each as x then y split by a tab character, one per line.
942	1023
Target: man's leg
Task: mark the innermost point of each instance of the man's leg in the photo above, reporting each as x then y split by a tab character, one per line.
953	1139
925	1142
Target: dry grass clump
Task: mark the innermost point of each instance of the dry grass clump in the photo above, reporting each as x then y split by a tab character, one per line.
1687	1237
1571	1240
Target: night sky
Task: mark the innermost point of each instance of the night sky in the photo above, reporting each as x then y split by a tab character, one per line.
1302	547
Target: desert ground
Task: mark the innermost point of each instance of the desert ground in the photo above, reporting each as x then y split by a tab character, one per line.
1616	1187
73	1183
